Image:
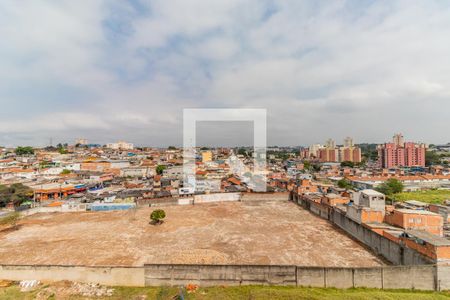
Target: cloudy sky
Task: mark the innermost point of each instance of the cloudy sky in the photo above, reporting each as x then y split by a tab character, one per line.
109	70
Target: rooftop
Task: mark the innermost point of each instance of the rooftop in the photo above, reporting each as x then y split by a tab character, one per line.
416	212
429	238
371	192
416	203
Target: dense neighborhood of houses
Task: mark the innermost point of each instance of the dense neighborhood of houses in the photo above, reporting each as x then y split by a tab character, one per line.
325	179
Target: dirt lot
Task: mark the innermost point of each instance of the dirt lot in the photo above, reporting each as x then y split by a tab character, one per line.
222	233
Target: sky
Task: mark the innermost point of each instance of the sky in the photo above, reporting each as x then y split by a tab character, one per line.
125	70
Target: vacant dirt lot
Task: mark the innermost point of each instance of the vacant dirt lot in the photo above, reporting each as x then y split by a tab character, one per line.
222	233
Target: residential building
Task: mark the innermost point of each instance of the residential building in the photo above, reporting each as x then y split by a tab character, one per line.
401	154
332	153
306	186
350	153
416	219
313	150
120	145
329	153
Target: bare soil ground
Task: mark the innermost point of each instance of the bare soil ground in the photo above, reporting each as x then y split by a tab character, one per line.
220	233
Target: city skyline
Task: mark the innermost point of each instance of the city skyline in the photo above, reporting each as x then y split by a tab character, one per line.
218	142
112	71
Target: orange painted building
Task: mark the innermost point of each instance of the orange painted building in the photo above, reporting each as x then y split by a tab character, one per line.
56	192
307	187
416	219
352	154
328	155
372	216
333	200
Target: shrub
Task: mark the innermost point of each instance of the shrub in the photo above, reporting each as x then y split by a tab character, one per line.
157	216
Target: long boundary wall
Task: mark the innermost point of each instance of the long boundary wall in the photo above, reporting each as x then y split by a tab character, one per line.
428	277
389	277
393	252
124	276
214	197
282	196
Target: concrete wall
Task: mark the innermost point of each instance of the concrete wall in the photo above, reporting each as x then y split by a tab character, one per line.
265	196
123	276
40	209
215	197
219	197
443	278
393	252
391	277
208	275
427	277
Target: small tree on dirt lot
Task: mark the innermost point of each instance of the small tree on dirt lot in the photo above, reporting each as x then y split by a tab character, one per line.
157	216
10	220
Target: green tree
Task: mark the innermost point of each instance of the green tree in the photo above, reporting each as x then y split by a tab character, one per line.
4	195
160	169
307	165
157	216
172	148
65	172
44	164
390	187
347	164
16	193
369	151
62	148
431	158
362	163
316	167
11	220
242	151
24	150
344	184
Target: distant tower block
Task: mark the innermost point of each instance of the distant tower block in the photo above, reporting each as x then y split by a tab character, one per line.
81	141
348	142
398	140
330	144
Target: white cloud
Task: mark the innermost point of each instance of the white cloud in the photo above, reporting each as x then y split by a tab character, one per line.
321	69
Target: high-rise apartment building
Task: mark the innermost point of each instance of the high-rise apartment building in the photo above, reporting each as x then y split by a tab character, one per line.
348	142
398	140
348	152
314	150
401	154
330	144
328	154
